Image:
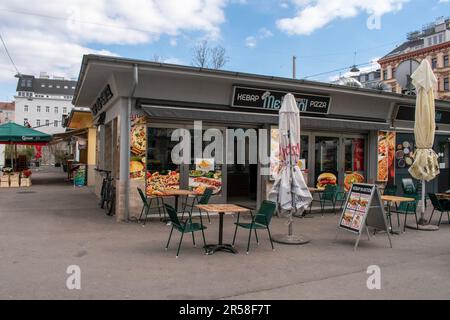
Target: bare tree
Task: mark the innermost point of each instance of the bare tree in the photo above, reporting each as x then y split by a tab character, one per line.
201	55
207	57
218	57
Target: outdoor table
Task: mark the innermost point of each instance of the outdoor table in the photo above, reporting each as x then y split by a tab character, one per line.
221	209
443	196
396	200
178	193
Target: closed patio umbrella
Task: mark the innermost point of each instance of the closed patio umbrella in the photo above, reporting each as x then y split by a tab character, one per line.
290	189
425	166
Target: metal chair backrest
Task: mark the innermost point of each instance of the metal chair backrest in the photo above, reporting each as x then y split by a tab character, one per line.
435	201
143	197
172	215
408	186
390	190
329	192
265	212
206	196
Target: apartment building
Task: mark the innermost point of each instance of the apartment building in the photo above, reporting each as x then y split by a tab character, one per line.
431	43
44	102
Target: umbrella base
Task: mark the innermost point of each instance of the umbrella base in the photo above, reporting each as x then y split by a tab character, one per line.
290	239
423	227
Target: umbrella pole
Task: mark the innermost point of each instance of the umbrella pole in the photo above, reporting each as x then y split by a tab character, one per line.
422	215
423	223
290	238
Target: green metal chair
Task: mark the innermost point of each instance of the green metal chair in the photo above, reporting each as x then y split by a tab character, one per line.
147	205
184	227
390	190
260	220
341	197
407	208
439	205
328	195
206	196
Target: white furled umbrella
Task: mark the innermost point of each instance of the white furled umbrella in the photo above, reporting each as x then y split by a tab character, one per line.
290	190
425	166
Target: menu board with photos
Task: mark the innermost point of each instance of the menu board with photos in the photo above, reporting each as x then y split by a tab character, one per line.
364	208
357	207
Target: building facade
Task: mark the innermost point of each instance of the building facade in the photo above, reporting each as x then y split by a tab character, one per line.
142	110
7	111
433	44
369	79
43	102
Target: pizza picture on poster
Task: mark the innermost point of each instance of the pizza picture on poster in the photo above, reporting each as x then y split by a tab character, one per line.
357	207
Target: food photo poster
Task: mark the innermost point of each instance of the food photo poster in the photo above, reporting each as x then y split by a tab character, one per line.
386	156
138	147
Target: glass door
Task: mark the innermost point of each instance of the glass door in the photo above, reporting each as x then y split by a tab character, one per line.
339	159
326	169
354	160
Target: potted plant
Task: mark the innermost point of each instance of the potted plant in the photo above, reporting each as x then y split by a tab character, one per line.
61	159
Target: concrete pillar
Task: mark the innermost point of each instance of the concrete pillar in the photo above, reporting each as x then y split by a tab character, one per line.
91	162
122	202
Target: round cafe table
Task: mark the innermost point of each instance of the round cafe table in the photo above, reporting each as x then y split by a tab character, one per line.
221	209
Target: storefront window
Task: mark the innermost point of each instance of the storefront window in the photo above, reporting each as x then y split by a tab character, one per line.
204	172
354	161
162	173
274	149
354	154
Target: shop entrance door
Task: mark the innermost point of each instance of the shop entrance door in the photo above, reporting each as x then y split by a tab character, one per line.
336	156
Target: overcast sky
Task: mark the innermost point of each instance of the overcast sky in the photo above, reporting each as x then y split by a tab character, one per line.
260	36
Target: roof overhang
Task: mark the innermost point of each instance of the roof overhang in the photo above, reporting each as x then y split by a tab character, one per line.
79	119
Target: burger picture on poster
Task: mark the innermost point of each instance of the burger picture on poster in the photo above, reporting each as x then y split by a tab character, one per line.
326	178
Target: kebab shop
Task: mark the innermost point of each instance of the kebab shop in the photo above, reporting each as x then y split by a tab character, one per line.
161	107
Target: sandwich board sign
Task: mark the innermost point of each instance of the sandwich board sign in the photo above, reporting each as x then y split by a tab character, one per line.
363	209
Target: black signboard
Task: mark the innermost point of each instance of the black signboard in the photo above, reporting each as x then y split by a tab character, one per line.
102	100
407	113
267	99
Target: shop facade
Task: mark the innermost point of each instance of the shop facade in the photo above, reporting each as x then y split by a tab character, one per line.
144	111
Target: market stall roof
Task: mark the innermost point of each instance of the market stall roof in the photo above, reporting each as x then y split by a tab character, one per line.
65	136
12	133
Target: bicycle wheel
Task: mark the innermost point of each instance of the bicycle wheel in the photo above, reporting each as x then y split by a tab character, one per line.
111	202
103	195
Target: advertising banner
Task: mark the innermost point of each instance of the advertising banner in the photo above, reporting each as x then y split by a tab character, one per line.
138	147
386	156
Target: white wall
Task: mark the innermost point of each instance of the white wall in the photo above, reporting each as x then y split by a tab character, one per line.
2	155
32	115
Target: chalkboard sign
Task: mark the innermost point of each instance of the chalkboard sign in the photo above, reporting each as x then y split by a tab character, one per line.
363	208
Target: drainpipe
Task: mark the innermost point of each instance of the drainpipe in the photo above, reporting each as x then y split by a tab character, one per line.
125	144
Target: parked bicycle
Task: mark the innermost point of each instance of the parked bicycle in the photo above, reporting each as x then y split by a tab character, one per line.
107	193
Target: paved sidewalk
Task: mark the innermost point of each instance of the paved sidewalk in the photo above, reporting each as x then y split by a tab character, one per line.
57	225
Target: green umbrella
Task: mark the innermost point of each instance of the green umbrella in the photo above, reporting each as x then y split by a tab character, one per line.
12	133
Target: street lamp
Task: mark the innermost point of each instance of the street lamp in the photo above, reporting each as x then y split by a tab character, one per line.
354	68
